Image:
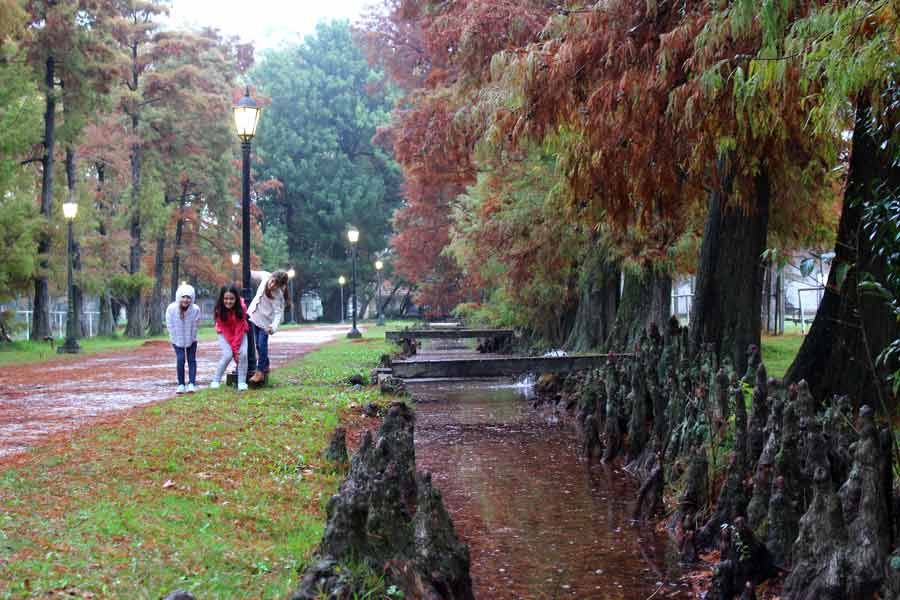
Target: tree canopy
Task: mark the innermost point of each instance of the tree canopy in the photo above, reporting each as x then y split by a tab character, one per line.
315	144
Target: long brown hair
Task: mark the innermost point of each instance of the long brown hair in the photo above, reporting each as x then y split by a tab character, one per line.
221	312
281	279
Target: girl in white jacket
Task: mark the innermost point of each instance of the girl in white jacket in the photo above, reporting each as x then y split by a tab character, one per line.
182	321
265	312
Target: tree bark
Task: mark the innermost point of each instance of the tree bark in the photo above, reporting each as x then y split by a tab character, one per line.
40	325
135	307
385	302
176	250
156	298
727	301
850	329
646	300
597	304
407	301
77	292
106	322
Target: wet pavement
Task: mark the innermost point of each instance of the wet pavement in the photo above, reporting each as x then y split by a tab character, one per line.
540	522
40	400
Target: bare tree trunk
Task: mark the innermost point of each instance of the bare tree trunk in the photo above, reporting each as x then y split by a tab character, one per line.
77	293
135	308
646	300
176	251
107	322
850	329
40	325
156	299
598	302
726	307
387	301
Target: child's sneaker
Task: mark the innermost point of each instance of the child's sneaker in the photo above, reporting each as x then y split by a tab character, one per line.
214	385
191	388
179	389
242	387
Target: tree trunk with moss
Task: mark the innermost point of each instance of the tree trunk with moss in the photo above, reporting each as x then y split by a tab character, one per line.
598	301
850	329
727	300
646	300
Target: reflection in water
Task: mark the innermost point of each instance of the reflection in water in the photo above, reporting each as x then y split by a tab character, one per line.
540	523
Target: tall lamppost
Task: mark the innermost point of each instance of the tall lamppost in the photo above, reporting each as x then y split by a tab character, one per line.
70	210
291	274
353	236
378	309
246	118
342	281
235	261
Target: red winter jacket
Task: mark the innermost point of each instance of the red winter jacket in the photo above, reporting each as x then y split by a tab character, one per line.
233	329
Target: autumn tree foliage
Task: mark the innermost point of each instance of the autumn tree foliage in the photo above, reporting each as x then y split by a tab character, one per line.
439	55
68	44
319	165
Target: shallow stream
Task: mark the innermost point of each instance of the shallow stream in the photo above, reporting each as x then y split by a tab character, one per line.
540	521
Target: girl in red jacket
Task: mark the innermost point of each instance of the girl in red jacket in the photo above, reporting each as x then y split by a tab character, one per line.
232	327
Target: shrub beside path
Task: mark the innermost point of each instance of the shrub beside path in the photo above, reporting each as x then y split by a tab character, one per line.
41	400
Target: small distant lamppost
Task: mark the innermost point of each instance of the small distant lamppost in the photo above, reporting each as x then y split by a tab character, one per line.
235	261
291	274
378	309
342	281
353	236
70	211
246	118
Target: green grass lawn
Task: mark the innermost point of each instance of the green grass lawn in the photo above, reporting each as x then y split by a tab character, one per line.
219	493
779	351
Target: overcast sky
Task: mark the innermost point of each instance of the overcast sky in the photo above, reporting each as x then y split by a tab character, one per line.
267	23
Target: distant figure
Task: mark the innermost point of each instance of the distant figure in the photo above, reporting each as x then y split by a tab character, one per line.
232	327
265	312
183	320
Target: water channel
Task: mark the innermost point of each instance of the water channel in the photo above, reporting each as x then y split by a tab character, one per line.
540	522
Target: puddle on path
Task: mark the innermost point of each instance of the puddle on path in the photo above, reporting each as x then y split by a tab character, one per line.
541	523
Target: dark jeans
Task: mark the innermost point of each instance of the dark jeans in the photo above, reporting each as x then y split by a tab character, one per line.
191	360
262	349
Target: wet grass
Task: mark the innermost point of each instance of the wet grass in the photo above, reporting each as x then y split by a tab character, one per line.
778	352
219	493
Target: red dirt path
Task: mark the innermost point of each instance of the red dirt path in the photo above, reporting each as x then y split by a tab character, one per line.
41	400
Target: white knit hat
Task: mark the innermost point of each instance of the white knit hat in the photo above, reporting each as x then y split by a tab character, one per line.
184	290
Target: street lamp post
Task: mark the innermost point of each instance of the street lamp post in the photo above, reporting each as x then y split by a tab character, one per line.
235	261
378	308
291	274
246	118
342	281
353	236
70	210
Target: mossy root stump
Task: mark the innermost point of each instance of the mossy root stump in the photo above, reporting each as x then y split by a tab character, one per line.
389	521
790	485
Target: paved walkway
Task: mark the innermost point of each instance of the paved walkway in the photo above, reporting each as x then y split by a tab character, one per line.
42	399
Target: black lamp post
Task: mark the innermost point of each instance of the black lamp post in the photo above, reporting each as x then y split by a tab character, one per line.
353	236
246	118
378	309
70	210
